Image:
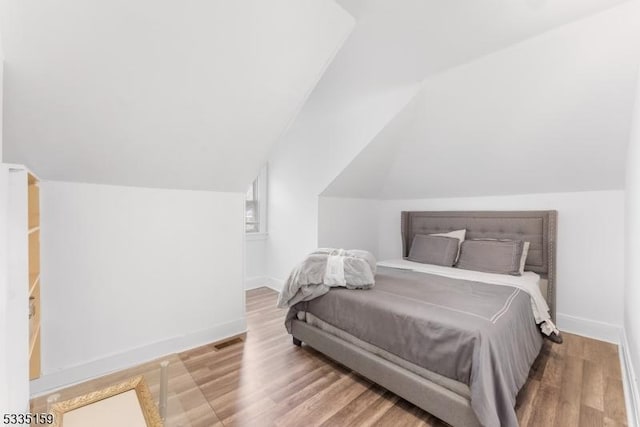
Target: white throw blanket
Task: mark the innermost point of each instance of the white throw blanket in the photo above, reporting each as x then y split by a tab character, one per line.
334	272
326	268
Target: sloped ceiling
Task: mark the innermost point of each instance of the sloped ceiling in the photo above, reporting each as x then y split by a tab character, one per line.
393	48
170	94
402	42
548	114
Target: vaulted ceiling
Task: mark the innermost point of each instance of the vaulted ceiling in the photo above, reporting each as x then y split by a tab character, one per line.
171	94
195	95
550	113
402	42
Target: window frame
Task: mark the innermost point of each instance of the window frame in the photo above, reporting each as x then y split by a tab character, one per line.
261	196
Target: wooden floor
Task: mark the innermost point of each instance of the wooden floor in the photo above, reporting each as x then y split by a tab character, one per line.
186	405
266	380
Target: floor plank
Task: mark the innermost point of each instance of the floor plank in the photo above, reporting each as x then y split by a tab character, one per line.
545	405
590	417
568	408
614	406
593	391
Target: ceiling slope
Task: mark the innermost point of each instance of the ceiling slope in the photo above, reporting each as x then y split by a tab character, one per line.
379	69
400	43
393	48
168	94
548	114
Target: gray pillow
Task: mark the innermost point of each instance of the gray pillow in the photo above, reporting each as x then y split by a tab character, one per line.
491	256
436	250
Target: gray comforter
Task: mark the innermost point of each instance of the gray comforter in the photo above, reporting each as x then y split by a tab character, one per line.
479	334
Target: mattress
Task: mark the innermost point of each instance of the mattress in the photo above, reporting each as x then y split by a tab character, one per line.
475	334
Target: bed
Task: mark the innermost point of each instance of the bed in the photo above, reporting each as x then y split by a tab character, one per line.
382	333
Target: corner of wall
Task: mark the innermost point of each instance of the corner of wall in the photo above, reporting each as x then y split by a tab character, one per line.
275	284
255	282
630	382
602	331
1	99
631	333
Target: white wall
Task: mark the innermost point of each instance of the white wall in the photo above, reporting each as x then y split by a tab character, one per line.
133	273
17	313
312	153
590	272
255	262
1	94
348	223
5	369
12	385
632	264
14	333
3	238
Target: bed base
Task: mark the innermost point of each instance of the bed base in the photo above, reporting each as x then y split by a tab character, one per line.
427	395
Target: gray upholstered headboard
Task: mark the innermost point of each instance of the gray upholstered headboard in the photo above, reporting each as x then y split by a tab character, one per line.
537	227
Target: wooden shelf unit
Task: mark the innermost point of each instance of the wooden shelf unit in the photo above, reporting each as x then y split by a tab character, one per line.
34	276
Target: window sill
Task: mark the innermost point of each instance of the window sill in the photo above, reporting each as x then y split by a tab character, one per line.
256	236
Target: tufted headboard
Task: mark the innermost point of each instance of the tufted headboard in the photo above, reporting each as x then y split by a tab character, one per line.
536	227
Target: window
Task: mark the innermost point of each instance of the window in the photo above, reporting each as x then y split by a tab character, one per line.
252	209
255	218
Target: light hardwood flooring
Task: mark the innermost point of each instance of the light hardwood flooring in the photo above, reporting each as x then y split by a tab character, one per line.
186	405
264	380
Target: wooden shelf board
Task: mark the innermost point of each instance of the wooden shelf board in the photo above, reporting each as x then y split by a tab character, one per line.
32	340
33	277
33	285
32	178
34	255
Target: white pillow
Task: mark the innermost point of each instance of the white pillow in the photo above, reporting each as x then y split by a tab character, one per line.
456	234
523	259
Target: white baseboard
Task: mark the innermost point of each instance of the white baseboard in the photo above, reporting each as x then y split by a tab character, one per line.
263	281
52	381
630	381
255	282
589	328
275	284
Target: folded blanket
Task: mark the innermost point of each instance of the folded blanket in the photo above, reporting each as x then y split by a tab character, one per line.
326	268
